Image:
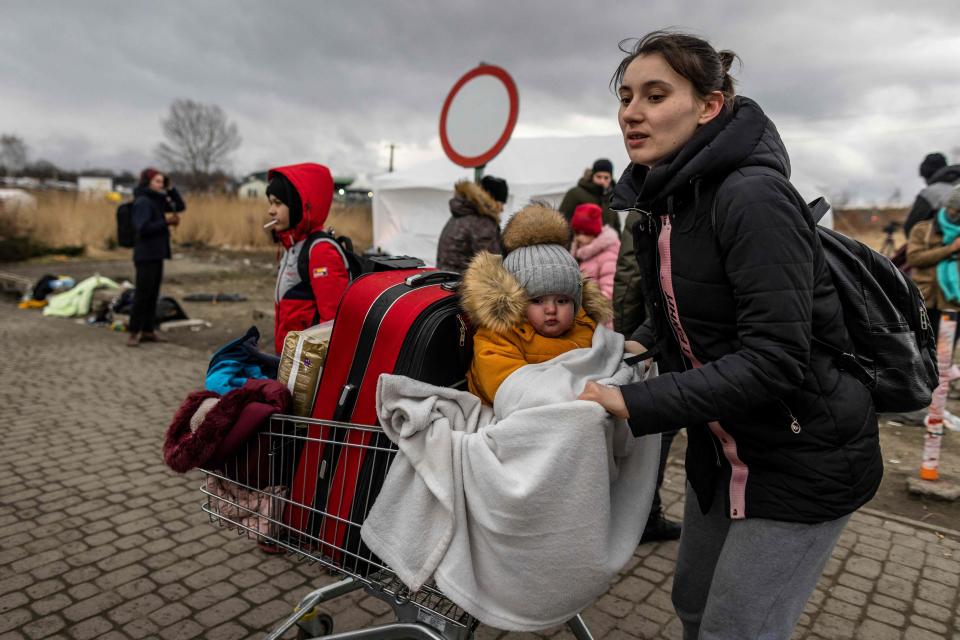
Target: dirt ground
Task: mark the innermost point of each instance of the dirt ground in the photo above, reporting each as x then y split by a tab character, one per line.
253	275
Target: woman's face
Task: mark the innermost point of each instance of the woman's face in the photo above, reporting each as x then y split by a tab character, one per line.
156	183
279	212
659	110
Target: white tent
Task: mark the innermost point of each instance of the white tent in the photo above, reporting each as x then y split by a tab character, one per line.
410	206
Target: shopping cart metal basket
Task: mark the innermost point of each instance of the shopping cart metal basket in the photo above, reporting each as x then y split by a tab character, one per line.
251	494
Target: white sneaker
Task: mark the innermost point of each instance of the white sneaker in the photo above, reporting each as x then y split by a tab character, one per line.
951	421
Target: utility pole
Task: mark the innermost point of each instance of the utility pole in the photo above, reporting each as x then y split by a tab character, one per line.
392	147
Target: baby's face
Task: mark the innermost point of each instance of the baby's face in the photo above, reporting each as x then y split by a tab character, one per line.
551	315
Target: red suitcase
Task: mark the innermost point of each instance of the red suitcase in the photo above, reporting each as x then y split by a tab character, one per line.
406	322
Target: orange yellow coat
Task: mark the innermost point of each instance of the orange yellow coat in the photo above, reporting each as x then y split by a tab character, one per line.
498	354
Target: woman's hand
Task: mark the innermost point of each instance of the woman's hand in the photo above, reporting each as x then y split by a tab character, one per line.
173	219
634	347
609	398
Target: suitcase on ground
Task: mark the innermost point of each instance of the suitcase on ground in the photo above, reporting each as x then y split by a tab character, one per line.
405	322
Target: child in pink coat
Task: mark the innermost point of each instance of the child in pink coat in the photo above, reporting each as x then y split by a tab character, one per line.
595	246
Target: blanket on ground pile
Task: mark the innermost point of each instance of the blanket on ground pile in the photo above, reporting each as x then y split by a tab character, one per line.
522	513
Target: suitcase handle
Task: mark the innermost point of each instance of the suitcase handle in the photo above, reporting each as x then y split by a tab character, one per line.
431	277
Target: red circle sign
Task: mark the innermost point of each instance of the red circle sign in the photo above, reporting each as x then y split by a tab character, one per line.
478	159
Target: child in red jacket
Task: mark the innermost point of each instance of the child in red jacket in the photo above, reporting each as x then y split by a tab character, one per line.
300	197
595	246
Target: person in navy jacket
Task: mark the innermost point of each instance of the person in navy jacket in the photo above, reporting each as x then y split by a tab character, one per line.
156	208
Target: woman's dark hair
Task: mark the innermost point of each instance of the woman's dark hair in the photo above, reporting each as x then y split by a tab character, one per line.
689	56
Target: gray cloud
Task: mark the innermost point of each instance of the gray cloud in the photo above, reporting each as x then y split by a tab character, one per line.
860	90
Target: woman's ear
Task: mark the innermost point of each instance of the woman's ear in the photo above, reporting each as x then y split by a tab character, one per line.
710	107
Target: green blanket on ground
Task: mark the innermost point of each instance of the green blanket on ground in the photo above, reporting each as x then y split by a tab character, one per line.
76	301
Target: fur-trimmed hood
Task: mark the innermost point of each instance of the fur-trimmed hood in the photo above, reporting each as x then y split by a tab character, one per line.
494	299
471	200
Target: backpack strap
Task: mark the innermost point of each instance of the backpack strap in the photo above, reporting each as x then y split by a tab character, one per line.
343	245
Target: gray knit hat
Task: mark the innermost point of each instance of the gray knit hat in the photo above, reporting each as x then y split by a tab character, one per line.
544	269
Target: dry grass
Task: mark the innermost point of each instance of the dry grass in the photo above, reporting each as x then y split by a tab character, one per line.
215	221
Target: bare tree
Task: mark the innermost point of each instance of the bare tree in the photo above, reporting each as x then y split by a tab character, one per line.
199	137
13	153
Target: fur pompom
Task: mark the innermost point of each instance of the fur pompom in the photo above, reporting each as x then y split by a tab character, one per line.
535	224
490	294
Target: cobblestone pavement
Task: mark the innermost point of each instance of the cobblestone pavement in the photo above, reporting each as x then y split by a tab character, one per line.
98	539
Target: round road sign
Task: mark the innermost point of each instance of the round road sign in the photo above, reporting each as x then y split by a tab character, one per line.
478	116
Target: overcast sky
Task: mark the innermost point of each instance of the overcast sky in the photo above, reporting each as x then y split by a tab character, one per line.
860	90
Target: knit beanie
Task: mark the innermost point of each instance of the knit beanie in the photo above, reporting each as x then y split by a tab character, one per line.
953	200
537	257
496	187
931	164
603	165
587	218
281	189
147	175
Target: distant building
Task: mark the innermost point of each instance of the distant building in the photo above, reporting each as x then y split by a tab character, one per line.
91	185
253	189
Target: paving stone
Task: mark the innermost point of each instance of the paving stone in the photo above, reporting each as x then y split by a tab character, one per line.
916	633
170	614
873	630
50	604
43	628
885	615
913	558
864	567
91	628
616	607
936	593
183	630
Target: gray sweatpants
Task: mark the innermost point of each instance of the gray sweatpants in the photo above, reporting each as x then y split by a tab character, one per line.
740	579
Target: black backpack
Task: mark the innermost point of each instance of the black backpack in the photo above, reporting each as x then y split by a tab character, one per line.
357	264
126	234
894	347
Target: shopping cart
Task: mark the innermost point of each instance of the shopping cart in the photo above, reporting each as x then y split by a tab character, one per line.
251	494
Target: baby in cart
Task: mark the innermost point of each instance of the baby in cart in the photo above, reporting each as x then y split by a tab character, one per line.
532	305
520	510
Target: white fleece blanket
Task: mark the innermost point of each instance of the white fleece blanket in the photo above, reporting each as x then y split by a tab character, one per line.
522	513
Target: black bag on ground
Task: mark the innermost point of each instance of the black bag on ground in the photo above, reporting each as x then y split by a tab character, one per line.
167	308
126	234
894	347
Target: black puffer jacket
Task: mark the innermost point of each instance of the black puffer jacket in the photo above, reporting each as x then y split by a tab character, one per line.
153	237
733	311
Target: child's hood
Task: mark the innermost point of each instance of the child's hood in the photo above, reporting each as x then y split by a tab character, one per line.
494	299
314	185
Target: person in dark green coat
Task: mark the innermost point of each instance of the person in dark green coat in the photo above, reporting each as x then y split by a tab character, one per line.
595	187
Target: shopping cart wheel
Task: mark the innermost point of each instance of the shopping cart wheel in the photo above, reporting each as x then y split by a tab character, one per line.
314	624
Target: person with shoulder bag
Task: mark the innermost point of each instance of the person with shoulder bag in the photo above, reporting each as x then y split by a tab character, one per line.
156	207
783	445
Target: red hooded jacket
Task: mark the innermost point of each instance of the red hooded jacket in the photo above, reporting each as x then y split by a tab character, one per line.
298	304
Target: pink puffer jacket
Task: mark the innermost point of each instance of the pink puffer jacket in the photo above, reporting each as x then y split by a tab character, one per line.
598	260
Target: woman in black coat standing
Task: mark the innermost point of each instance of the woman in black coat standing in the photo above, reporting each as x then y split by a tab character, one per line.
782	445
156	208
